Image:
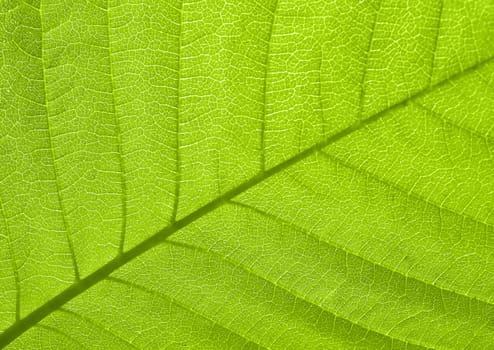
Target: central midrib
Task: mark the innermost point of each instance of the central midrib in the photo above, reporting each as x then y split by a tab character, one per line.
21	326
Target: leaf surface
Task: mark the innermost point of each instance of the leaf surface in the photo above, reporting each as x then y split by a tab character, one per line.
215	174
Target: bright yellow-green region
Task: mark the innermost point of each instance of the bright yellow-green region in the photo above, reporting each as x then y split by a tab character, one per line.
247	174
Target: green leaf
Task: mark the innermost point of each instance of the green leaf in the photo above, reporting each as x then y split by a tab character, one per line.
243	174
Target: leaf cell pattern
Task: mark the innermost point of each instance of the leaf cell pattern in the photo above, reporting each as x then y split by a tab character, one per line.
222	174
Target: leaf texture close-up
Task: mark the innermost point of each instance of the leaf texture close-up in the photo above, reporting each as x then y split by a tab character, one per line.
247	174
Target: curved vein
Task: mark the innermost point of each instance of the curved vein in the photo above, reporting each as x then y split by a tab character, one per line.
366	61
436	39
287	290
319	93
52	153
177	117
15	269
118	131
377	264
63	334
400	189
97	325
264	87
456	125
179	304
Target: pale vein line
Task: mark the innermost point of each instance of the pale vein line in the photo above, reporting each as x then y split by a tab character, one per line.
118	131
25	3
265	87
486	82
319	91
15	269
450	122
97	325
178	176
409	193
52	153
436	39
366	62
486	303
18	328
172	300
63	334
293	293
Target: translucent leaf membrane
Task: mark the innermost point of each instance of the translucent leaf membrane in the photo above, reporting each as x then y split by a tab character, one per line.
244	174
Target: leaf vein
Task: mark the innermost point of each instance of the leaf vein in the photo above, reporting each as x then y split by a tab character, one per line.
436	39
179	304
397	187
380	265
15	269
118	131
52	154
285	289
177	126
366	61
458	126
265	86
63	334
97	325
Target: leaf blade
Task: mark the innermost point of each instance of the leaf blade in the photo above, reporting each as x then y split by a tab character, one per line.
230	154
